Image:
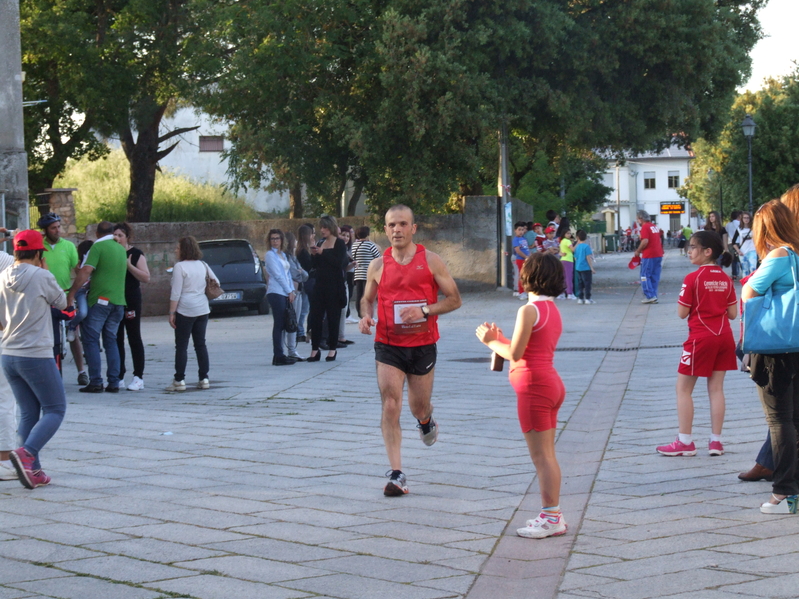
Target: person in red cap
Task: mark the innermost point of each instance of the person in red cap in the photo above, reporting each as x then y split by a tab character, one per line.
27	291
550	245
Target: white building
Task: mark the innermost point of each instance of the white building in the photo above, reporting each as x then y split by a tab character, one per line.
649	182
198	156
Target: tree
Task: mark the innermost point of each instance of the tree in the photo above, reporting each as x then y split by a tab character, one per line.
775	151
404	95
107	66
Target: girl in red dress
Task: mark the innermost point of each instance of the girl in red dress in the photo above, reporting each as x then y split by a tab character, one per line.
707	299
539	389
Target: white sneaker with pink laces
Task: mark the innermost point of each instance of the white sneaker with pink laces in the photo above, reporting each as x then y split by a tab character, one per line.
542	527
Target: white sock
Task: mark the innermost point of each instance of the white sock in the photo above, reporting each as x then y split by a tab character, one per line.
686	439
715	437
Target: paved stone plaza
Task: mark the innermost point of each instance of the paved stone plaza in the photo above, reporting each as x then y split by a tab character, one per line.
269	485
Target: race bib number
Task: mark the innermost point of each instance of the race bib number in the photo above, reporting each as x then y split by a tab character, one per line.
408	328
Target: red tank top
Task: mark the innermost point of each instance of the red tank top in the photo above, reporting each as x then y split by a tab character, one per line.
401	286
540	351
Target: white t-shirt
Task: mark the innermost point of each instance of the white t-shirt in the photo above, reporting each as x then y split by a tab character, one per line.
188	287
731	227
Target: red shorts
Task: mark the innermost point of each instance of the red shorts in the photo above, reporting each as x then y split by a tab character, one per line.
539	397
519	266
702	356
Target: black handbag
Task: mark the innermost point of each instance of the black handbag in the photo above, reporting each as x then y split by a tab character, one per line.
290	318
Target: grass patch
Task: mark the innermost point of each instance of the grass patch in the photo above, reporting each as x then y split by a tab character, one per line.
103	187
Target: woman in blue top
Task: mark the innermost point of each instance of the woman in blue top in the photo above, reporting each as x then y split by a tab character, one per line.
279	292
776	235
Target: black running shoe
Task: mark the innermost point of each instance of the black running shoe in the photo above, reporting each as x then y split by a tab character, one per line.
397	485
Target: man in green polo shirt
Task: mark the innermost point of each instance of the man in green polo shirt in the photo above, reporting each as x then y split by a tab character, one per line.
106	264
62	258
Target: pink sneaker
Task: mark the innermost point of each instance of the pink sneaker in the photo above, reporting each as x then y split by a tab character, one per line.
715	448
39	478
23	463
678	448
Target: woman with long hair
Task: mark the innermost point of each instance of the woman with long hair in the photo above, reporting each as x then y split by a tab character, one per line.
744	244
764	463
330	293
305	241
279	293
189	310
776	234
137	274
714	224
298	277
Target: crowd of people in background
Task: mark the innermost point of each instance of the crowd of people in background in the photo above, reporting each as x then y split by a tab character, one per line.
572	249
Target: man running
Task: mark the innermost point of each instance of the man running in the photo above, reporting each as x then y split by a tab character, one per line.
409	279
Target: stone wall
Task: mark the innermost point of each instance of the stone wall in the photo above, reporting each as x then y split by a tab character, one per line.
467	242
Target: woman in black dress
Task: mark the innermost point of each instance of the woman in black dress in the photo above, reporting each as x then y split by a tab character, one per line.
329	295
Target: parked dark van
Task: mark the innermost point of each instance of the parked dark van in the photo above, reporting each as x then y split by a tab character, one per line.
240	274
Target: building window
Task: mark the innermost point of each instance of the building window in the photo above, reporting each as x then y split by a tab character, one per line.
674	179
212	143
649	180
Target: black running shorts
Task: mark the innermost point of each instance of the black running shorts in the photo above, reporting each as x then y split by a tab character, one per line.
418	360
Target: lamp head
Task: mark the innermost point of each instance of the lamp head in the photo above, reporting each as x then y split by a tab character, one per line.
748	126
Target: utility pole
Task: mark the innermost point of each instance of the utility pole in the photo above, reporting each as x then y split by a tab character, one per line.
13	160
504	208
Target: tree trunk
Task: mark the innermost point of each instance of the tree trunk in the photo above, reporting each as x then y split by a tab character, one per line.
143	164
144	155
295	201
356	196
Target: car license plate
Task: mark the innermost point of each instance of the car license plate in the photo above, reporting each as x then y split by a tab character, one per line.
231	295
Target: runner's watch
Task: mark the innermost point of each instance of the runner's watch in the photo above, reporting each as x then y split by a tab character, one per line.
425	311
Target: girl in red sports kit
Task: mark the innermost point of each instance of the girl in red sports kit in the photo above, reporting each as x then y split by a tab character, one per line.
708	300
539	389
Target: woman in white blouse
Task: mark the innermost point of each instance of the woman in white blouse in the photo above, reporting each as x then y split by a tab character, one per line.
189	310
279	293
744	244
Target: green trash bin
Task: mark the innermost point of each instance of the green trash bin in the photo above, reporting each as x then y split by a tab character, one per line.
611	243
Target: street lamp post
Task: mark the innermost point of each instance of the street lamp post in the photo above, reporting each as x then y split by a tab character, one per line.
748	126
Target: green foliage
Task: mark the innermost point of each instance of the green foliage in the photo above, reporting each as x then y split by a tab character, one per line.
775	151
111	66
405	96
103	190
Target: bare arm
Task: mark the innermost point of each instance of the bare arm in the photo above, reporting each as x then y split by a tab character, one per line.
683	311
369	293
140	271
446	284
641	247
732	311
492	336
81	277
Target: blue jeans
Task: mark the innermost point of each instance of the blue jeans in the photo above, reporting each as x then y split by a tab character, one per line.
303	314
766	457
102	321
38	389
650	276
81	308
278	304
749	263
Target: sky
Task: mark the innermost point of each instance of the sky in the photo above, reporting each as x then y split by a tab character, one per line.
773	55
